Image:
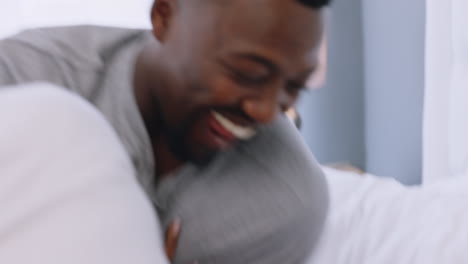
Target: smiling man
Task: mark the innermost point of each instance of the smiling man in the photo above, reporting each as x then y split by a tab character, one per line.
198	103
215	76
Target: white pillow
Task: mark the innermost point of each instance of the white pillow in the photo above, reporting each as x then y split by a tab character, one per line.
68	193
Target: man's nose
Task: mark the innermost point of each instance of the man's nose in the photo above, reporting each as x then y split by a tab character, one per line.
263	108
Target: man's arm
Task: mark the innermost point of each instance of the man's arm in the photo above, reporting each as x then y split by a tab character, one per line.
23	62
65	56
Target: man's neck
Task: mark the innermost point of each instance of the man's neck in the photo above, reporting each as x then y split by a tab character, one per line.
144	94
165	161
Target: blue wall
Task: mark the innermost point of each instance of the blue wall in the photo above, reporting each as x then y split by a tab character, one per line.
394	80
334	115
370	111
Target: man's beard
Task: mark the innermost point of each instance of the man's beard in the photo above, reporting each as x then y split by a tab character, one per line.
178	142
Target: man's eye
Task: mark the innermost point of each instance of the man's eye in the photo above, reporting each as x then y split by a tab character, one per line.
247	77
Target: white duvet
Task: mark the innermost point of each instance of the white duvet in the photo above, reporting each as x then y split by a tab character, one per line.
376	220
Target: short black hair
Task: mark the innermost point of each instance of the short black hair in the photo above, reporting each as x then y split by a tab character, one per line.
315	3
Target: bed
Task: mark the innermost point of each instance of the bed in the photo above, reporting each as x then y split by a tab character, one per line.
376	220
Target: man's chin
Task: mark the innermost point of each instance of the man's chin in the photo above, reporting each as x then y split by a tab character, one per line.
203	158
197	155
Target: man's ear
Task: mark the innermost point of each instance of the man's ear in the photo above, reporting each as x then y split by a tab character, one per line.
162	14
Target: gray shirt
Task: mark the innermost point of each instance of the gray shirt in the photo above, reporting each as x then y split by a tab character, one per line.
262	202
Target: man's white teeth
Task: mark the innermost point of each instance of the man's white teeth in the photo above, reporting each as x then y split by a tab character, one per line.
240	132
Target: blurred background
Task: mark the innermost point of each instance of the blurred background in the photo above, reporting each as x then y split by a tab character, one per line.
368	112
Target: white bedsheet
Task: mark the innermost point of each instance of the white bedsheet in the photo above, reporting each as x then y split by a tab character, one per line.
377	221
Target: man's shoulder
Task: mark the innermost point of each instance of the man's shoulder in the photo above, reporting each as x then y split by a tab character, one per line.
269	191
280	148
281	166
80	45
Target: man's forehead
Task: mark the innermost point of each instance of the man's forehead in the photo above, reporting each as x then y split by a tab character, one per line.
285	31
293	30
283	13
271	16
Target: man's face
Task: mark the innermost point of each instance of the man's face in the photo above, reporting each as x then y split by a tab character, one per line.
231	67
